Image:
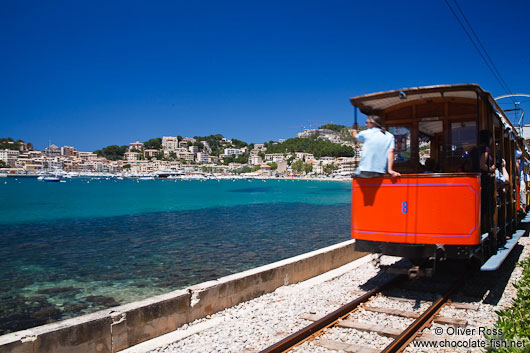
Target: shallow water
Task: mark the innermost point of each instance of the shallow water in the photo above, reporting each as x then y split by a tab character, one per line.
125	241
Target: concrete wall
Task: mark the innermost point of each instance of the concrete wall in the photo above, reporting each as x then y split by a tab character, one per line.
114	329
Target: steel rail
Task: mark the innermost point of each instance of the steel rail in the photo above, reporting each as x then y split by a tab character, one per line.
328	320
410	333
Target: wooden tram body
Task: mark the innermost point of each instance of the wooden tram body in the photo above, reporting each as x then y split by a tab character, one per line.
443	213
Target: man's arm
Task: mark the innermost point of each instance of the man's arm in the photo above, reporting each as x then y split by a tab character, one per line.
355	131
391	171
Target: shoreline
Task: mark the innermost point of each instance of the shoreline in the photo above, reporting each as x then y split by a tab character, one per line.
186	177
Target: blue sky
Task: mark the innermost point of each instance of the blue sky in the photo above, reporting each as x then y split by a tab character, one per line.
96	73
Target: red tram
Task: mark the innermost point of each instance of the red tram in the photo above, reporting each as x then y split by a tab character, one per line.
438	208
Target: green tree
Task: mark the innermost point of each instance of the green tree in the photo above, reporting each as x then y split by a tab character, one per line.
112	153
154	144
214	141
319	148
243	169
238	144
273	165
3	164
10	144
308	168
126	166
297	167
330	168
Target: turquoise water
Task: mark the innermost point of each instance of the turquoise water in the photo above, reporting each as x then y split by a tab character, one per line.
31	200
72	248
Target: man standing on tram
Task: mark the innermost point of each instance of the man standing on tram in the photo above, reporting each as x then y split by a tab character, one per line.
378	149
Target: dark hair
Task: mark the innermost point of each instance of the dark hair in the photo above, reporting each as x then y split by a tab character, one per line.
377	121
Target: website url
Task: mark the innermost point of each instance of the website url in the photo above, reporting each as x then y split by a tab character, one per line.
470	343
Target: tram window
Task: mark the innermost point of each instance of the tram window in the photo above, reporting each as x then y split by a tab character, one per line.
402	143
463	140
430	136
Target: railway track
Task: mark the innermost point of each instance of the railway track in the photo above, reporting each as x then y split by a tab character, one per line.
344	317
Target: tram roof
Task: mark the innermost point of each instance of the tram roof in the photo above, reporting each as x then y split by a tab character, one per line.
376	102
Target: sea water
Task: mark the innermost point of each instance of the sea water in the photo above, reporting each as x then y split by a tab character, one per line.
72	248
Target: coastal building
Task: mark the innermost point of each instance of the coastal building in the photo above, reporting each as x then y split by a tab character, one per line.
88	156
136	146
213	159
265	169
346	165
150	153
274	157
52	151
233	152
184	144
202	157
282	167
132	156
68	151
255	160
187	156
329	135
325	160
304	156
259	147
9	157
170	143
307	133
193	149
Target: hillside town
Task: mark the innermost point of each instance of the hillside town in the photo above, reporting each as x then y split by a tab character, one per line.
175	155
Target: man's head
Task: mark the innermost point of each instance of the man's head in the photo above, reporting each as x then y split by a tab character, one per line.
373	121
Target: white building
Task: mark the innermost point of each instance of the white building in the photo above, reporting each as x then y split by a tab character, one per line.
255	160
170	143
52	151
139	146
202	157
346	165
187	156
88	156
194	149
306	133
132	156
9	157
274	157
233	152
213	159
